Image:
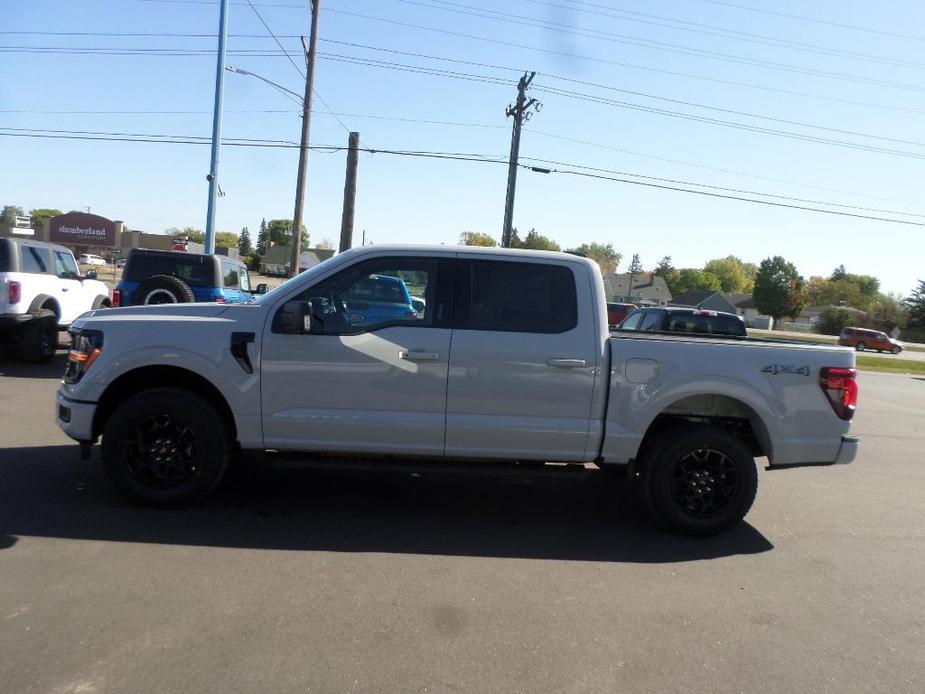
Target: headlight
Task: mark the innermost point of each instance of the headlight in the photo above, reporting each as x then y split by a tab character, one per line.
86	346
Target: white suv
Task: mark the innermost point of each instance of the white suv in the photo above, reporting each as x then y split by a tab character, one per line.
41	292
90	259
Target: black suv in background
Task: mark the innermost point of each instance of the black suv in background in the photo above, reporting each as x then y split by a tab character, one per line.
692	321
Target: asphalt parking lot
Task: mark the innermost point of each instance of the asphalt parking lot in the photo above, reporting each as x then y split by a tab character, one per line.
347	580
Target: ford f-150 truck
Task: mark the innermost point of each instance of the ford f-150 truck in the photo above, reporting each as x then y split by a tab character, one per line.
511	360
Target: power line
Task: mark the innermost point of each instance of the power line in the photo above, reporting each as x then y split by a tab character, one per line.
298	69
664	46
606	61
456	156
804	18
706	167
722	32
639	107
725	197
270	32
723	188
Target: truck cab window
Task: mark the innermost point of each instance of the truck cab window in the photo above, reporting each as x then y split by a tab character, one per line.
375	294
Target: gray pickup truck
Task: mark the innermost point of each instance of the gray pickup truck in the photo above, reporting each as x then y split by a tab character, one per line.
508	357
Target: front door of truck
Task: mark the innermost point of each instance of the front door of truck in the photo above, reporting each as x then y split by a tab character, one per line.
363	381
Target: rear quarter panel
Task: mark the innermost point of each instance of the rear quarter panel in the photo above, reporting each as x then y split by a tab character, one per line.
777	382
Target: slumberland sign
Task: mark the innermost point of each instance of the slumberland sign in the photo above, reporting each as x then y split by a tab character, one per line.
80	228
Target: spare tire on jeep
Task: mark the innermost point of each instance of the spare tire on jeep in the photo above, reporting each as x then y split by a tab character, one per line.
163	289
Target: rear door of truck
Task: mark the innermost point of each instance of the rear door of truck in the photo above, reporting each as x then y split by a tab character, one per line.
523	359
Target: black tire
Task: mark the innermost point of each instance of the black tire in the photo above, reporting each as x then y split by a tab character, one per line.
701	480
896	350
166	447
38	341
860	346
163	289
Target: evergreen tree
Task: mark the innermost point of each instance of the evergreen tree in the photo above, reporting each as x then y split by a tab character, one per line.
263	238
244	242
916	304
635	265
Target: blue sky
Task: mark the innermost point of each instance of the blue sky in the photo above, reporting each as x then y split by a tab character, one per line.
731	58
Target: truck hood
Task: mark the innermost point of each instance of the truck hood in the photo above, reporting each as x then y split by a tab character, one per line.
160	312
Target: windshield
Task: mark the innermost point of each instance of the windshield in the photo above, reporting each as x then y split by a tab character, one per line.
293	282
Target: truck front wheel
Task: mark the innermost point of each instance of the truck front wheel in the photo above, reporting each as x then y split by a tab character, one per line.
699	480
166	447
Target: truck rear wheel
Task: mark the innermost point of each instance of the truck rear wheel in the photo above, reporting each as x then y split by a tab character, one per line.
701	480
38	341
166	447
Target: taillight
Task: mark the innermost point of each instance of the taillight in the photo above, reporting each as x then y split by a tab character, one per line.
219	300
15	292
116	297
841	388
86	346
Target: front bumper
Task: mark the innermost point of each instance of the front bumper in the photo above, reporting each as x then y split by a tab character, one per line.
75	418
848	450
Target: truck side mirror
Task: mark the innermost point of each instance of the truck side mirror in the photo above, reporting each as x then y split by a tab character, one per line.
293	318
91	275
262	288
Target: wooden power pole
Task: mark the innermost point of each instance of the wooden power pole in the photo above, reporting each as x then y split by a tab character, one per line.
521	112
350	193
303	148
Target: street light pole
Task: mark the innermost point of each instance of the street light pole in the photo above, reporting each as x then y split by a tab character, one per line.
303	148
216	126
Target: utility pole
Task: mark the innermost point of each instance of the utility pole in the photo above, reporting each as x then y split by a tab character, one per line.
350	193
212	178
303	148
521	112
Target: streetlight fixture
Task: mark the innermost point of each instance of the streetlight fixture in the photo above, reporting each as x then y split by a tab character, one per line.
241	71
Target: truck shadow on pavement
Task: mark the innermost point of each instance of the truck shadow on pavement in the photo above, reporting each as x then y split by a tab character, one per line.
584	515
13	367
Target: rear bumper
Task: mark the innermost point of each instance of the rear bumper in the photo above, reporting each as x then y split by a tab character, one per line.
75	418
848	450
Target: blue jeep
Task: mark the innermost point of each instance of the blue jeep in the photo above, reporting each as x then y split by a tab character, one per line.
178	277
378	299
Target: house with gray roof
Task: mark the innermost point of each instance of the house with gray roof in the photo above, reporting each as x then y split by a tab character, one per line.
642	289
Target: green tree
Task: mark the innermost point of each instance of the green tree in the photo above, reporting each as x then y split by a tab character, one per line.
40	215
734	275
244	242
635	267
779	288
603	254
838	273
886	312
194	235
916	306
476	238
263	238
534	241
279	233
680	281
9	214
664	267
833	320
226	239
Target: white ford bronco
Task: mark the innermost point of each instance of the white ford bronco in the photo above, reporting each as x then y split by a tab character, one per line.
508	357
42	291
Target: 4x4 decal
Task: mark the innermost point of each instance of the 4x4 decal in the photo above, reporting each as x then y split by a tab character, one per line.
775	369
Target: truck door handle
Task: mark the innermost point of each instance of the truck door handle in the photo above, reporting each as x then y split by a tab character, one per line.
64	289
566	363
414	355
